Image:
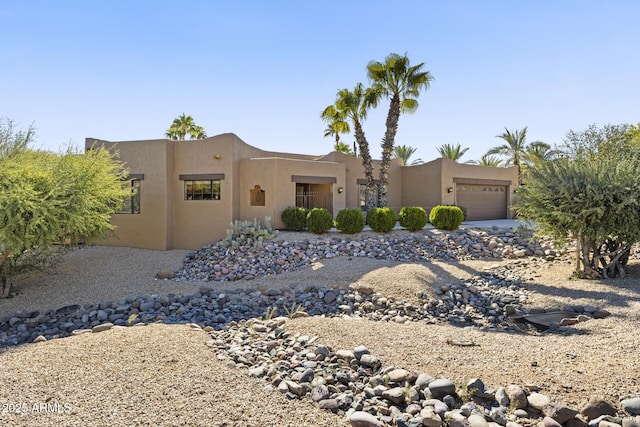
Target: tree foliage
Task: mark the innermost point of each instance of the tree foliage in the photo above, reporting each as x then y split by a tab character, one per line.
453	152
12	140
184	125
592	193
405	152
488	160
400	82
354	106
514	147
46	198
336	124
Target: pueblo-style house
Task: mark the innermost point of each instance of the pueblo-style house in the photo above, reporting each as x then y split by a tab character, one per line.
186	193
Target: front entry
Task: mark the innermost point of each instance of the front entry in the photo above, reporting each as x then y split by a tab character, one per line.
311	196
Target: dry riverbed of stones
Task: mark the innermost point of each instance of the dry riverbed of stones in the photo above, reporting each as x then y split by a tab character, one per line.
356	384
352	382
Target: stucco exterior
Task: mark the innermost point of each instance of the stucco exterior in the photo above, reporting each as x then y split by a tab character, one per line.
255	183
436	182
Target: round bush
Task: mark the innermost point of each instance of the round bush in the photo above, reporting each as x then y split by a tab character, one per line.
446	217
319	220
464	212
381	220
295	219
350	221
413	218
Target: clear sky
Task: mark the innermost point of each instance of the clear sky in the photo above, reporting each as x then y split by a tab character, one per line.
264	70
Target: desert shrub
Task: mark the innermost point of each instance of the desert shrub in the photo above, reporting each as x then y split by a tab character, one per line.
446	217
249	233
413	218
319	220
381	220
350	221
294	218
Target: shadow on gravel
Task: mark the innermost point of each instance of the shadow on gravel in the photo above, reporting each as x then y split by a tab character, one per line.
616	292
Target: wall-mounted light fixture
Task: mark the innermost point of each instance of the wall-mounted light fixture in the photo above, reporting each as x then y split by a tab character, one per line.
340	190
217	157
450	190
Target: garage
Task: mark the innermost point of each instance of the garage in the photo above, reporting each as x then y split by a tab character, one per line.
483	200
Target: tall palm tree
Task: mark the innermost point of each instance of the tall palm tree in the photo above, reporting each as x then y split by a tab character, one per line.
514	148
405	152
336	124
184	125
401	83
487	160
453	152
355	105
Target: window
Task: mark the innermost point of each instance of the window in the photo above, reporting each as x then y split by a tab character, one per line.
131	204
202	189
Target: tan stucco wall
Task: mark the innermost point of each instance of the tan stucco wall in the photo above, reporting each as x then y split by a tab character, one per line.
422	185
427	184
481	174
355	171
198	222
168	221
274	177
149	228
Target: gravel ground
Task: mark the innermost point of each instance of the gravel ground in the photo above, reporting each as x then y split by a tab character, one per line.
164	375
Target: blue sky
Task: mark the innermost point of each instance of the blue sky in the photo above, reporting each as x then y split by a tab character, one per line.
264	70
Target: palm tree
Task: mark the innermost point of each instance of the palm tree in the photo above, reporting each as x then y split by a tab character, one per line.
197	132
401	83
183	126
487	160
354	105
336	124
405	152
537	153
453	152
342	147
514	148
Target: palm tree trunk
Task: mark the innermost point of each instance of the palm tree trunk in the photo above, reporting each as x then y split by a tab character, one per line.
393	118
366	163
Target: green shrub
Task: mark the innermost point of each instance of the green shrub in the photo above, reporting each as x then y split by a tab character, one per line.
381	220
446	217
295	219
319	220
350	221
464	212
413	218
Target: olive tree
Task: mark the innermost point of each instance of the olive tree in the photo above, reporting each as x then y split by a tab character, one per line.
591	193
47	198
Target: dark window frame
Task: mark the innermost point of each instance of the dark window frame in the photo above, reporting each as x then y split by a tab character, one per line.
202	189
131	205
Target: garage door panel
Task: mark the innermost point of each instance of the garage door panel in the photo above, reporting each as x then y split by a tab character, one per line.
482	201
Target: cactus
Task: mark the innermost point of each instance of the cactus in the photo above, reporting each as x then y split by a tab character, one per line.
249	233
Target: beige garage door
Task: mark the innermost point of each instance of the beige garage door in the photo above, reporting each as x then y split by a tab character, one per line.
482	201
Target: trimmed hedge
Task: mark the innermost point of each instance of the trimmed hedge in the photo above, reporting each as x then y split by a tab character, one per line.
413	218
319	220
381	220
464	212
446	217
294	218
350	221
